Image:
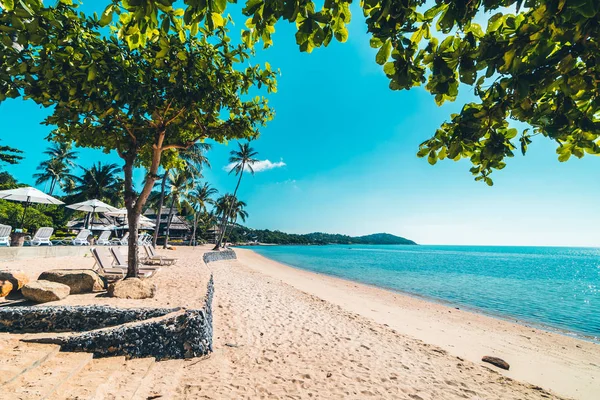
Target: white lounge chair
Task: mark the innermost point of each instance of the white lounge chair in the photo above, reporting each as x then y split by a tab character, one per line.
5	231
144	239
103	239
105	263
42	236
152	257
82	238
122	241
120	259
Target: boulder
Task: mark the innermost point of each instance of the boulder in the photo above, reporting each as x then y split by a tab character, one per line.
45	291
5	288
79	280
17	278
132	288
498	362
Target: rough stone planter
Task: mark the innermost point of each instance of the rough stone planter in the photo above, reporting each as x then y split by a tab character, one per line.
17	239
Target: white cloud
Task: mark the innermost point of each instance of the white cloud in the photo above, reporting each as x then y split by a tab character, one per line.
259	166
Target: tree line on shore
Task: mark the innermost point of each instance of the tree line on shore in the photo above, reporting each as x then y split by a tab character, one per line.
181	190
243	235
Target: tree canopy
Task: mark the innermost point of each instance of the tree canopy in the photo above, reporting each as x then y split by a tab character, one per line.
534	62
145	103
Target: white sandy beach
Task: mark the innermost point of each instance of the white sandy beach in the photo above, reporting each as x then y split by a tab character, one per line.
281	332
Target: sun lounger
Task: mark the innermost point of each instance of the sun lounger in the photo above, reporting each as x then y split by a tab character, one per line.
122	241
103	239
120	259
104	262
5	231
153	257
82	238
42	236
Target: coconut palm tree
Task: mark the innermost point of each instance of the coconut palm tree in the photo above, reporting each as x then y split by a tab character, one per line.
10	155
233	209
100	181
63	152
195	160
198	201
180	182
53	172
57	169
240	159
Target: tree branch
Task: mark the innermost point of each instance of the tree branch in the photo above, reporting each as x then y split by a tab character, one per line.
175	117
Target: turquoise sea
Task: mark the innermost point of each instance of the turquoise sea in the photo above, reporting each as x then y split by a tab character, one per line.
557	288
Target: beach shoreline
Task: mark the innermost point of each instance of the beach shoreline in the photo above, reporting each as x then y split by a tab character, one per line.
449	303
567	365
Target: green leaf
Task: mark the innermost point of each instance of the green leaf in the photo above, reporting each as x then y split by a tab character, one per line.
217	20
91	73
375	43
494	22
218	5
384	52
7	5
107	16
342	35
389	68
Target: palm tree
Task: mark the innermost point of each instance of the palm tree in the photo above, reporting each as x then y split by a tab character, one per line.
10	155
180	182
232	208
62	151
195	159
100	181
198	201
58	167
53	171
241	159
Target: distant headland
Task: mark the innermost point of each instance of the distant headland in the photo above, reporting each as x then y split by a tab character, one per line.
242	234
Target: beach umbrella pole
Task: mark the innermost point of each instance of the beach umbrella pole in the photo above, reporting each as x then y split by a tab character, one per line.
24	212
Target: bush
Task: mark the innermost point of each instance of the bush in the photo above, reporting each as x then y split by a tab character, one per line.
11	214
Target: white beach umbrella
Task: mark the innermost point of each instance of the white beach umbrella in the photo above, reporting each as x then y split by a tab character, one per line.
143	223
28	195
92	206
119	212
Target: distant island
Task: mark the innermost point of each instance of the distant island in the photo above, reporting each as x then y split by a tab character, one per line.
241	234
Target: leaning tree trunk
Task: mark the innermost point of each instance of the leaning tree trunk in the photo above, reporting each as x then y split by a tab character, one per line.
231	230
169	220
160	206
193	241
225	218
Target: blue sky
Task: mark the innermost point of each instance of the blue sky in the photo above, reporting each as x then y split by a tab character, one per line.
349	143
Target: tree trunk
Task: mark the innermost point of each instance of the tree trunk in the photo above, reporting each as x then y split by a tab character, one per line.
135	204
132	220
226	216
169	220
231	230
52	184
193	241
160	206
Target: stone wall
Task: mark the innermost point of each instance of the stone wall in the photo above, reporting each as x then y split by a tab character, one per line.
179	334
212	256
72	318
142	332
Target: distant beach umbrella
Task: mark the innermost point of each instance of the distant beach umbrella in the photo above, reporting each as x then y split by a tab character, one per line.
120	212
28	195
93	206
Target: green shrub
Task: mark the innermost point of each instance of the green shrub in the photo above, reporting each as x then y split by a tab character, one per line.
11	214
